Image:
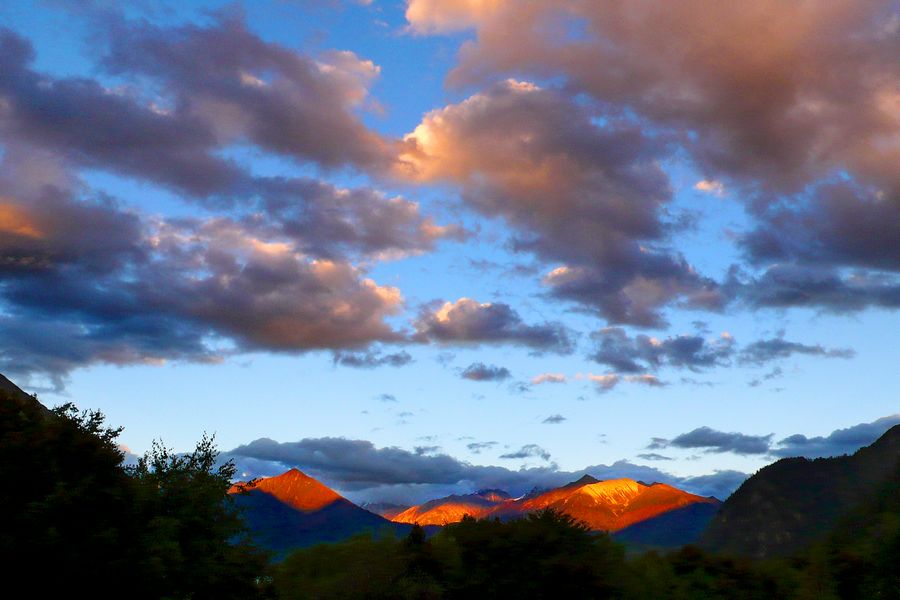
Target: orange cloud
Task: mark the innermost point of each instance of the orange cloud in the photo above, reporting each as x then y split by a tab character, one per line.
15	221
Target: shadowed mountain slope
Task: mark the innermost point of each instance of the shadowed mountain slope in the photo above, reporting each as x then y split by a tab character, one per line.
796	501
294	510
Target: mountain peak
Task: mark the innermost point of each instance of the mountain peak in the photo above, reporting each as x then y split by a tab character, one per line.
494	495
297	489
584	480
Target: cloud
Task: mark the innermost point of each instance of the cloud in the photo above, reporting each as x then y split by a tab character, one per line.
792	125
712	440
775	373
482	372
642	353
371	359
792	285
716	188
554	419
123	289
609	381
839	441
764	351
548	378
244	89
634	355
467	321
814	156
363	471
577	192
443	16
528	451
654	456
477	447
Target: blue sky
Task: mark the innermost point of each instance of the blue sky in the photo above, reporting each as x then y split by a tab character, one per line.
212	213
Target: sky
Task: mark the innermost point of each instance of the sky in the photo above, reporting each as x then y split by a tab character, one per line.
425	247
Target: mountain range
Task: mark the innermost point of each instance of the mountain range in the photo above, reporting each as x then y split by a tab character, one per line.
295	510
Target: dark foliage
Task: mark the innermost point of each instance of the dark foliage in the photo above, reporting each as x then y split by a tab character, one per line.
794	502
77	522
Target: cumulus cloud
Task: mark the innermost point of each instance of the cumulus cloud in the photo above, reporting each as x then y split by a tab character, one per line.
468	321
277	268
364	471
815	156
585	194
247	90
482	372
120	288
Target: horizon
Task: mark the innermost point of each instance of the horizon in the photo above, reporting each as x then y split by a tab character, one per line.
426	247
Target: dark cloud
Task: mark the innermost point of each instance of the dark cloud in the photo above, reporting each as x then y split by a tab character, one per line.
467	321
654	456
764	351
94	126
841	223
371	359
363	471
577	191
775	373
387	398
84	124
247	90
793	285
839	441
422	450
528	451
121	289
716	441
482	372
635	355
477	447
554	419
642	353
